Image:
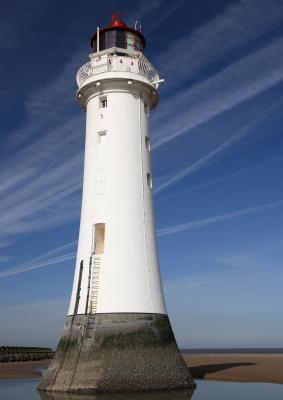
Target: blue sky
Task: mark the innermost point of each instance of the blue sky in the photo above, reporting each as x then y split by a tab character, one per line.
217	164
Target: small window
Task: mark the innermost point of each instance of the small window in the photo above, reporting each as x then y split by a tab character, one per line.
103	102
101	137
149	180
147	143
99	236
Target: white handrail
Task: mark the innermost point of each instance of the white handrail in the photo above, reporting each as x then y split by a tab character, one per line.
113	63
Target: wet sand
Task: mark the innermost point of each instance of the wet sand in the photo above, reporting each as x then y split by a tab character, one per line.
22	370
237	367
221	367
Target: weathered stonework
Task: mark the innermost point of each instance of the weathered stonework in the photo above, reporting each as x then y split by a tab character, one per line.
157	395
117	353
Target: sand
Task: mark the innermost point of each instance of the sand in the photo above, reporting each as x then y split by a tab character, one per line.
22	370
222	367
237	367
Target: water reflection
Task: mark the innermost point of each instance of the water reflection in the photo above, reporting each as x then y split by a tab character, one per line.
173	395
206	390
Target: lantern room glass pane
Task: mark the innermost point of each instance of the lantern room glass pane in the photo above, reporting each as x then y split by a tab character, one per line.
130	37
102	41
138	44
133	42
120	39
110	39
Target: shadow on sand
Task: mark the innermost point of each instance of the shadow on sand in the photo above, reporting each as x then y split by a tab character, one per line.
172	395
200	371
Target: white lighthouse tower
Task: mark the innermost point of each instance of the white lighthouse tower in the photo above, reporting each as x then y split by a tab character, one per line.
117	336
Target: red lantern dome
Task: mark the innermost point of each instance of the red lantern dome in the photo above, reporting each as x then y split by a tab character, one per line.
118	34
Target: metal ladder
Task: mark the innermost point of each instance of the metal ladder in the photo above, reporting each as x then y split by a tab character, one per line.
90	326
95	283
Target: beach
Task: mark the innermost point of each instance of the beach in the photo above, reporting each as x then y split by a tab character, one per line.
22	370
221	367
237	367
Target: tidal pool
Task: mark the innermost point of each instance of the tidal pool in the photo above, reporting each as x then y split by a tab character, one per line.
206	390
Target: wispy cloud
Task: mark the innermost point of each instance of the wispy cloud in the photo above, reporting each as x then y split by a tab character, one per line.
45	259
42	112
164	15
143	10
207	158
49	258
41	162
9	181
221	178
233	85
4	258
244	269
5	243
218	218
52	260
239	25
41	165
33	205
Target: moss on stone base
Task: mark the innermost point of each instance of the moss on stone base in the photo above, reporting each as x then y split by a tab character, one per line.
117	353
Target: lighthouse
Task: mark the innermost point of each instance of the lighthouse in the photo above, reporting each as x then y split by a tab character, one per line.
117	335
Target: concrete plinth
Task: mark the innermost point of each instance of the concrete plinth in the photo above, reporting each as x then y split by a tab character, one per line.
117	353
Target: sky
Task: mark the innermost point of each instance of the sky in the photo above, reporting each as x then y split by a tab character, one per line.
217	164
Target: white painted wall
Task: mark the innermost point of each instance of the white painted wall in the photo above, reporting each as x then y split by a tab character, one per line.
115	192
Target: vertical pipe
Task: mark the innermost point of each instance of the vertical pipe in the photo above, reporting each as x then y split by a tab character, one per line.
79	288
143	200
97	39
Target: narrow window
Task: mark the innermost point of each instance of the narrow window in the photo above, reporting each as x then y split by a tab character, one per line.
147	143
149	180
101	137
99	236
103	102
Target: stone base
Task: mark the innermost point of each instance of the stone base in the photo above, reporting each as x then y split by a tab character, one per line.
117	353
157	395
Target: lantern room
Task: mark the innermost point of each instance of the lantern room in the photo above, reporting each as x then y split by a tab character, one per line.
118	34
